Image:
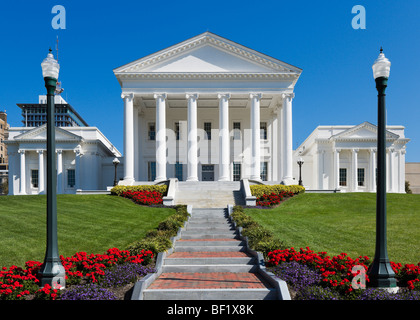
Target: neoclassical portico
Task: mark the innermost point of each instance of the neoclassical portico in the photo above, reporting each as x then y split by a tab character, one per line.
207	109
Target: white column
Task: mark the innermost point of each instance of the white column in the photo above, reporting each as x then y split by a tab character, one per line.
354	169
192	158
77	169
280	155
321	169
287	137
224	147
22	172
372	170
391	171
401	169
255	134
337	168
128	137
41	175
59	171
160	136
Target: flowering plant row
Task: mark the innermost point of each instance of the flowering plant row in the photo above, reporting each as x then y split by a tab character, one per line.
336	272
268	200
17	283
144	197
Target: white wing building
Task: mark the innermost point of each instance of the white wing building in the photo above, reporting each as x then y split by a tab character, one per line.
344	158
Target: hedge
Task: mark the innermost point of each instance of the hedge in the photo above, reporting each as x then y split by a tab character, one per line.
259	238
258	190
159	239
161	188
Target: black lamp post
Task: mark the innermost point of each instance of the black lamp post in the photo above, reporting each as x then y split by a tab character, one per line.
380	273
115	162
52	271
300	163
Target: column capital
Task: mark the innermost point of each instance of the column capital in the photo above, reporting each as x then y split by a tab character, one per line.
193	96
355	150
128	95
373	150
223	96
255	95
21	151
338	150
40	151
160	96
288	95
59	151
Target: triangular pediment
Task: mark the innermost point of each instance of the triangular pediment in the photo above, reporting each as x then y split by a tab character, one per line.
40	133
364	131
207	53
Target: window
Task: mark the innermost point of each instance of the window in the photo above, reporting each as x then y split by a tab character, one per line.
236	171
152	131
236	131
361	177
207	129
263	171
177	130
178	171
151	170
263	130
34	178
71	178
343	177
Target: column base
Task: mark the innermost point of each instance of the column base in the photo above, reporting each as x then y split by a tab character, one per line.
192	179
160	179
289	181
126	182
255	178
223	179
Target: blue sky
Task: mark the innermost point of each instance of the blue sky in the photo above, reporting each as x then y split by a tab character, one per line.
336	85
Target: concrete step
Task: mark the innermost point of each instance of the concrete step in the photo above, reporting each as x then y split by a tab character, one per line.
208	235
210	294
210	243
220	248
198	268
209	258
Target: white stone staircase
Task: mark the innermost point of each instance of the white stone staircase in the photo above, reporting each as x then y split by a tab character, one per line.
209	194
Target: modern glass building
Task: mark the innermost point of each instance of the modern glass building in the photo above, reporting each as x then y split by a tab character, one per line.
35	114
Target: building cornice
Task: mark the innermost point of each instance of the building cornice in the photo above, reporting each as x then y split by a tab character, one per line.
206	76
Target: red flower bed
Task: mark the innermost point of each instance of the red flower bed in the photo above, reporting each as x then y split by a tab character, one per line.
16	283
337	271
268	200
144	197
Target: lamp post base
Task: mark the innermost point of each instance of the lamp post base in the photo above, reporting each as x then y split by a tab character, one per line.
52	273
381	275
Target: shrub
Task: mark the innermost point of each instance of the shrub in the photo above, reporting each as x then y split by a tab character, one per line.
119	190
259	238
260	190
154	244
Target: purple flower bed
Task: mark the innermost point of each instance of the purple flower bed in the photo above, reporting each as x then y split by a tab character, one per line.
88	292
297	275
124	274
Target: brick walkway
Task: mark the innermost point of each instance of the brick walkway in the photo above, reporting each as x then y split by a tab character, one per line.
213	280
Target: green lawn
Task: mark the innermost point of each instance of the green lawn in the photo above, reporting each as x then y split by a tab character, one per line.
91	223
346	223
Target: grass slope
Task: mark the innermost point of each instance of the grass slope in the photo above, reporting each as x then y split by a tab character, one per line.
91	223
346	223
